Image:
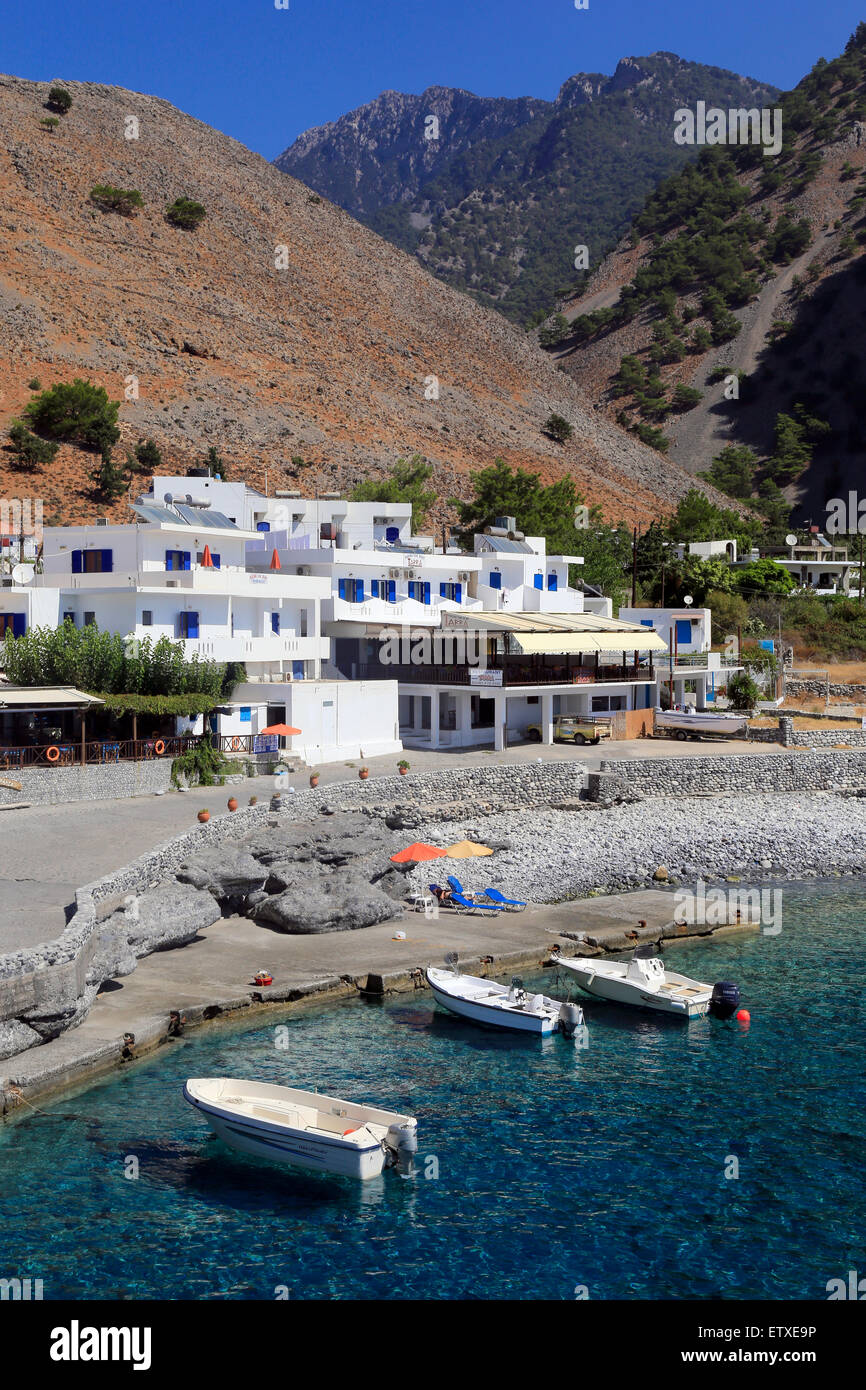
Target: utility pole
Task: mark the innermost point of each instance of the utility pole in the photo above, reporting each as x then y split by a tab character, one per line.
860	586
663	579
634	566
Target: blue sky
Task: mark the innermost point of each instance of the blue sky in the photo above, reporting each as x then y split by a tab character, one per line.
263	75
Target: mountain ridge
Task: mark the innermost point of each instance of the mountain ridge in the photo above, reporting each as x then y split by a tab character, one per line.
313	375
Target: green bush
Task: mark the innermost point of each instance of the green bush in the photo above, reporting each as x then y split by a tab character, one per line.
125	201
107	663
186	213
59	100
558	428
30	451
78	412
50	122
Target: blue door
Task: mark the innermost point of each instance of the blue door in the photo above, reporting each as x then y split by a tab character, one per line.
684	632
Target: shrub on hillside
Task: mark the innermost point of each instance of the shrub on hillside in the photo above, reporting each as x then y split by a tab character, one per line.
77	411
557	427
125	201
30	451
59	100
186	213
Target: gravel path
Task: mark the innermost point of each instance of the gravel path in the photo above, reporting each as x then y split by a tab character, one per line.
554	855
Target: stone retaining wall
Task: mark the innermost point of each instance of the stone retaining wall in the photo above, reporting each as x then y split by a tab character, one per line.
778	772
818	687
46	786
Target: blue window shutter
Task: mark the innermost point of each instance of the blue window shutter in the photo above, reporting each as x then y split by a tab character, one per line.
359	590
169	559
263	526
552	582
19	624
108	562
246	714
684	630
392	591
216	560
374	588
495	580
275	622
186	559
646	622
458	593
443	590
341	588
76	562
192	624
426	591
538	581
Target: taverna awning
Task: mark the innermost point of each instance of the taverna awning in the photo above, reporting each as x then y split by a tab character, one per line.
39	696
560	633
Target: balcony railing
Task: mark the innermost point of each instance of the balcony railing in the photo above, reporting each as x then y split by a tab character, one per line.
512	674
68	752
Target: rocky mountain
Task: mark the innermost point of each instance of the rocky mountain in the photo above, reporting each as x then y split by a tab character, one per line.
728	318
307	350
496	203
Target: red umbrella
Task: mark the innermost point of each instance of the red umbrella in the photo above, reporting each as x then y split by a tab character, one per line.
275	560
418	853
284	730
206	558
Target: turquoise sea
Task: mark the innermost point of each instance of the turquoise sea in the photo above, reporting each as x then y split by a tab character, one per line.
544	1170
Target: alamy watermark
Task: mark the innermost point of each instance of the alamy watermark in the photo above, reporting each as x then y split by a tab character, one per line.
21	516
734	127
738	905
405	646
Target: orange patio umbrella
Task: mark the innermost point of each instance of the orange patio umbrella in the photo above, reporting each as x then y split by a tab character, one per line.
284	730
418	853
207	561
275	560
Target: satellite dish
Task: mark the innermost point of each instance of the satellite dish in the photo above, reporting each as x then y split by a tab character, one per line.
688	600
167	498
790	539
22	574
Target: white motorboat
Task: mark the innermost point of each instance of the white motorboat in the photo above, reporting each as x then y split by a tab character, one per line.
644	983
502	1006
691	722
304	1128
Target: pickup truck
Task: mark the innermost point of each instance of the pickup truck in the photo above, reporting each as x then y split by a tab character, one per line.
569	728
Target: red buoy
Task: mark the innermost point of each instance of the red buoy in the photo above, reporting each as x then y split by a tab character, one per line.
743	1016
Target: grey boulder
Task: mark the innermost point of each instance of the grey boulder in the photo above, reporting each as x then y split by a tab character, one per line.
224	873
339	902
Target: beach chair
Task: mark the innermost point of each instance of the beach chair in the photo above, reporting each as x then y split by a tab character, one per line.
510	904
475	904
457	887
443	897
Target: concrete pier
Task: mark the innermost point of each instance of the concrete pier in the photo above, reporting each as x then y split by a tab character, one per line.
213	977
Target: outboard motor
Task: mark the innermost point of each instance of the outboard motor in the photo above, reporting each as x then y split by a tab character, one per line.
401	1141
726	999
570	1019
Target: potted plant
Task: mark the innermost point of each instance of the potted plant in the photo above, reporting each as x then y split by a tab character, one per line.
403	766
204	816
232	803
314	779
363	773
253	800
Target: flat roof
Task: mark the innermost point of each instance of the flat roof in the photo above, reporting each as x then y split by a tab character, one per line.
35	696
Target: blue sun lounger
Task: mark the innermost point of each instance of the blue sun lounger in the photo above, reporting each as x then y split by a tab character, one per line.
461	903
496	897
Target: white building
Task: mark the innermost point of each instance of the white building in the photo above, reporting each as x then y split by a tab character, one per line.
180	571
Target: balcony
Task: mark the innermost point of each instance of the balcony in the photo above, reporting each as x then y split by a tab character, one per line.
406	611
243	647
512	673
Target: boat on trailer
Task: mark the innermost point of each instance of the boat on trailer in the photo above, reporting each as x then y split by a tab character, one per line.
303	1128
502	1006
644	983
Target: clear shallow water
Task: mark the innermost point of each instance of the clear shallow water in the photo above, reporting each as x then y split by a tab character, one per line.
557	1167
